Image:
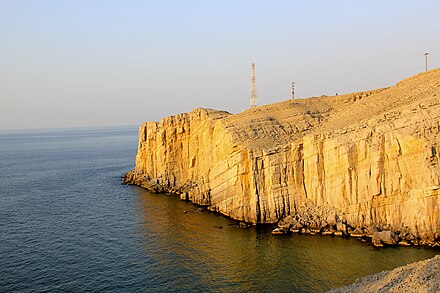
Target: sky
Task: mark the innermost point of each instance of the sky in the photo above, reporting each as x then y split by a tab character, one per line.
106	63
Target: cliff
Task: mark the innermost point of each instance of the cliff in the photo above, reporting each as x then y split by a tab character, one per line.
366	160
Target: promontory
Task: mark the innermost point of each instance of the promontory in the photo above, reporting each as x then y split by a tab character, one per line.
358	164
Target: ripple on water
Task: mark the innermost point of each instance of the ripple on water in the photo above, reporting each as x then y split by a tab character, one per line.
66	224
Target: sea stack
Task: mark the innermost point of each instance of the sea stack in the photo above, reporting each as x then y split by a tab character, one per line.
361	162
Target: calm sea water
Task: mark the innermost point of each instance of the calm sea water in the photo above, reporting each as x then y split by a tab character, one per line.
67	224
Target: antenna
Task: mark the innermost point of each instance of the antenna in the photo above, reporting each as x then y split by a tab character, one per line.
293	90
253	90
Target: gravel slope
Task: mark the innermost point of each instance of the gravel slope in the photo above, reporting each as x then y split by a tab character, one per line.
422	276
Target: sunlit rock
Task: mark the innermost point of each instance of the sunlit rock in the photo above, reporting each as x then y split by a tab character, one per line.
363	160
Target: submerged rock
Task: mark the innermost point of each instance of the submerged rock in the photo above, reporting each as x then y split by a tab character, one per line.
243	225
280	231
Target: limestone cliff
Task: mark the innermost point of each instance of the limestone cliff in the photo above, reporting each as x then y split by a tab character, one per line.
370	158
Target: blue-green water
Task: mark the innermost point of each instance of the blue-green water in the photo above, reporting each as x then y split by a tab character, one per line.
68	225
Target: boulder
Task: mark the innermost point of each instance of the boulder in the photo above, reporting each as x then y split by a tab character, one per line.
338	233
385	237
331	219
341	227
280	231
404	243
369	231
357	233
287	222
376	242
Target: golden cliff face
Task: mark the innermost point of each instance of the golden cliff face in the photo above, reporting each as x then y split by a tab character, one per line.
372	157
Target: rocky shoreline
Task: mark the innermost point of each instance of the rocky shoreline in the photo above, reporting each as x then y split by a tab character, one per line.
310	219
364	165
314	220
422	276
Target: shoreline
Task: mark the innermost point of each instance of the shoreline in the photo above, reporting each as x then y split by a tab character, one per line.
304	222
363	165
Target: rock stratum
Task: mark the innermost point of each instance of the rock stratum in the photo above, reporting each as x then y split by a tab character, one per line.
354	163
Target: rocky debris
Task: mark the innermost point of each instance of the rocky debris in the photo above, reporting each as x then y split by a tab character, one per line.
370	159
312	219
423	276
287	222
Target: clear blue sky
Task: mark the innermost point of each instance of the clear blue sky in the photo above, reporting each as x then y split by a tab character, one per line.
91	63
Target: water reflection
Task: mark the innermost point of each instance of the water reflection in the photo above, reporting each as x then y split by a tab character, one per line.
188	251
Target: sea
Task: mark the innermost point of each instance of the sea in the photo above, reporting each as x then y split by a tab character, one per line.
67	224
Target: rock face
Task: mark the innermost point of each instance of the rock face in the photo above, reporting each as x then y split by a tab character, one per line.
367	159
423	276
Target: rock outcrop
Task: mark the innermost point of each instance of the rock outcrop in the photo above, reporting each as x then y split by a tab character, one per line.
364	160
422	276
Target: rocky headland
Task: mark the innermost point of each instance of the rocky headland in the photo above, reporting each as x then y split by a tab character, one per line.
364	164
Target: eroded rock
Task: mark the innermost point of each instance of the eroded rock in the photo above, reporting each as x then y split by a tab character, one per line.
360	160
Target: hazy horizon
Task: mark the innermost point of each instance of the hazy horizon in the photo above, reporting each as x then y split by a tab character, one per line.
98	63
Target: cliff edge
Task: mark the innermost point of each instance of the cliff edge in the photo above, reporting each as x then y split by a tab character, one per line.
363	162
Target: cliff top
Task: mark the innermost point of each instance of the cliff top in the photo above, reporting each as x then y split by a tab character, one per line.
283	122
272	125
